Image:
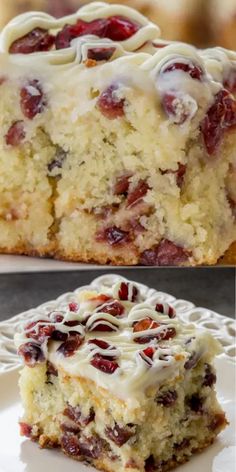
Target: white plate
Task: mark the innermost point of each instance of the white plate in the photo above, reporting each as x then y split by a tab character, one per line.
21	455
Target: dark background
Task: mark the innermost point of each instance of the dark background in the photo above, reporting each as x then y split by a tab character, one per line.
210	288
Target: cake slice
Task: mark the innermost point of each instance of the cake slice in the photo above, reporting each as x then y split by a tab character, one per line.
115	379
115	145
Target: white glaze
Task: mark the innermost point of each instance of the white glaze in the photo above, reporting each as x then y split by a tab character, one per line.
136	371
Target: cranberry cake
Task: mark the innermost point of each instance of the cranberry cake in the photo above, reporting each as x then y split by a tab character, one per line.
115	145
113	378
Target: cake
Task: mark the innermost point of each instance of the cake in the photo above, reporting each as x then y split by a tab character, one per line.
115	145
114	378
179	19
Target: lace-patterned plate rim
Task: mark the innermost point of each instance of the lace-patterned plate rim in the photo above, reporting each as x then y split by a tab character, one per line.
223	328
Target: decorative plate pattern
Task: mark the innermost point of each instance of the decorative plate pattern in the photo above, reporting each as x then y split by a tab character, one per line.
222	328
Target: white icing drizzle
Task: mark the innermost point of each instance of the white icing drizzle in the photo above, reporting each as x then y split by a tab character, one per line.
137	371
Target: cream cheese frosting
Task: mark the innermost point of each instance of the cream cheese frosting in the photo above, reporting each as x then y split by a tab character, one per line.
137	371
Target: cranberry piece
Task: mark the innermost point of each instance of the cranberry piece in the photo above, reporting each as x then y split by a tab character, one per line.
119	435
175	107
220	117
2	79
164	254
102	326
59	335
15	134
195	402
209	378
192	361
168	398
113	236
72	323
166	309
189	68
106	366
135	195
69	428
73	306
148	353
149	323
31	353
110	104
70	444
116	28
32	100
75	414
150	465
41	331
122	183
36	40
113	308
120	28
91	447
25	430
69	347
217	422
99	343
125	293
70	32
101	54
102	298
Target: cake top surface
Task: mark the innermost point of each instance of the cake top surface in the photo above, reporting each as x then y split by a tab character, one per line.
117	338
106	33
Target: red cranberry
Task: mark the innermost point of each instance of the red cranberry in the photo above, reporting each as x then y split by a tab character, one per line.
220	117
41	331
51	369
149	323
110	104
164	254
59	335
100	54
128	292
122	183
113	308
15	134
91	447
68	427
69	347
209	377
36	40
25	430
73	306
180	173
120	28
175	108
113	236
168	398
119	435
70	444
135	195
100	325
56	317
150	465
99	343
3	79
189	68
31	353
195	402
148	353
75	414
32	100
116	28
166	309
106	366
